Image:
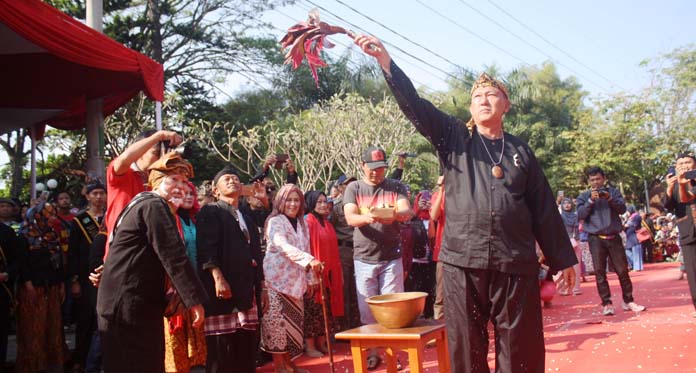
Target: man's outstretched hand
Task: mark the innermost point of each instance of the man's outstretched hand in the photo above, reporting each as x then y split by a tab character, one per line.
365	42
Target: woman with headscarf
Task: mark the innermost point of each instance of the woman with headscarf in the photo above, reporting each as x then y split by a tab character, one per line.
324	247
185	345
40	292
634	250
290	271
147	252
570	221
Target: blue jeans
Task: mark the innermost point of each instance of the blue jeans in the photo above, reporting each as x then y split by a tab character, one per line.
93	364
376	279
637	256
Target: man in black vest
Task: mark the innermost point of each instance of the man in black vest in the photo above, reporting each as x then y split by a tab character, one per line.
84	228
682	202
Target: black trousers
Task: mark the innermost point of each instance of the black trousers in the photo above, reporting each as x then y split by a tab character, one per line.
231	353
132	349
5	305
86	324
601	250
689	254
647	251
511	302
422	278
351	313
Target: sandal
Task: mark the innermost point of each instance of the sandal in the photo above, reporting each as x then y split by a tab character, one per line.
373	362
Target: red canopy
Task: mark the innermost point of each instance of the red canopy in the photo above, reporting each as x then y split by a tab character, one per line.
50	64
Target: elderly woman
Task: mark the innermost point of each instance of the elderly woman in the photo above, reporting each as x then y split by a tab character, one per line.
185	345
324	247
147	252
290	271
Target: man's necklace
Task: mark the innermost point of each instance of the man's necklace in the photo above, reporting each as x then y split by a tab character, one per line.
497	171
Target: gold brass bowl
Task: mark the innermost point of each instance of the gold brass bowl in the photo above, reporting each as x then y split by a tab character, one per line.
397	310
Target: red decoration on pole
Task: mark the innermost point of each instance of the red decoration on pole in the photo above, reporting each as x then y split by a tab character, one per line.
307	39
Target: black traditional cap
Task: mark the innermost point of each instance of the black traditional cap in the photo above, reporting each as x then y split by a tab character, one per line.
95	185
9	201
344	179
228	170
687	154
375	157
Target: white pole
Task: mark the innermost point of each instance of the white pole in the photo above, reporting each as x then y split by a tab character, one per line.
158	115
32	133
94	116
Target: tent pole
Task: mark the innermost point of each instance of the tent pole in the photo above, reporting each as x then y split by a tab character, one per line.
158	115
95	106
32	133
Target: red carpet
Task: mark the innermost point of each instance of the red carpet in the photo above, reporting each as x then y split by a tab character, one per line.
580	339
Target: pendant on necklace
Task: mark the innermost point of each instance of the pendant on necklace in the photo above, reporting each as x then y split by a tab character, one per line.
497	172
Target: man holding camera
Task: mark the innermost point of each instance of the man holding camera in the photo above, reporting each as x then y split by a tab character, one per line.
682	202
600	208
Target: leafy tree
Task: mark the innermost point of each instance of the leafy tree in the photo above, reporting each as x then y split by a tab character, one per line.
324	142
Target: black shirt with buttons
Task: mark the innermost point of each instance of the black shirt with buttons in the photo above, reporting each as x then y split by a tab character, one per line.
491	223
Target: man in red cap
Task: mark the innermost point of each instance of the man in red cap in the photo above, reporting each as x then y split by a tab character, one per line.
373	205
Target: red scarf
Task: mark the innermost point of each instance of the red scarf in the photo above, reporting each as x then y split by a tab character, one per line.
324	246
176	322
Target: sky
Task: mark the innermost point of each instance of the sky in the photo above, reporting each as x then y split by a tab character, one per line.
600	43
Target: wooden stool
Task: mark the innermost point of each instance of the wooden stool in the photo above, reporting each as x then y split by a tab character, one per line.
411	340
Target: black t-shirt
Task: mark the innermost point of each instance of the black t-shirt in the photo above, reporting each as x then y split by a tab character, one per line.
375	242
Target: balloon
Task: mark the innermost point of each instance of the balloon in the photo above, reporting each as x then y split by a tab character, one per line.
40	187
51	183
547	289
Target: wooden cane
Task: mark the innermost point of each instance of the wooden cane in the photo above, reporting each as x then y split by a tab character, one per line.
326	321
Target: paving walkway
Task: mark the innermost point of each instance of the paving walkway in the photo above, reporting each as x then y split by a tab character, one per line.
579	339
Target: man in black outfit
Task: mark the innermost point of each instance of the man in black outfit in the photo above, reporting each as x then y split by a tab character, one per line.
10	247
84	228
498	205
146	252
600	208
682	202
230	267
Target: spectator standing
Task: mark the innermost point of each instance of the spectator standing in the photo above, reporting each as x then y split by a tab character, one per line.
570	221
184	344
344	235
290	272
11	246
682	201
437	216
85	227
230	264
632	245
324	247
41	290
600	208
374	205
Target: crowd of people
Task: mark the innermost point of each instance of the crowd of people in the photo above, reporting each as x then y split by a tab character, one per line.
161	275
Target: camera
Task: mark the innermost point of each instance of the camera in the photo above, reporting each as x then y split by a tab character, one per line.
603	193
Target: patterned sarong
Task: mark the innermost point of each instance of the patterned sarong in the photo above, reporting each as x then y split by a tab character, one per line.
282	325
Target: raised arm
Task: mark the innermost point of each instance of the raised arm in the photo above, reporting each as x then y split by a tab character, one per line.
137	149
432	123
